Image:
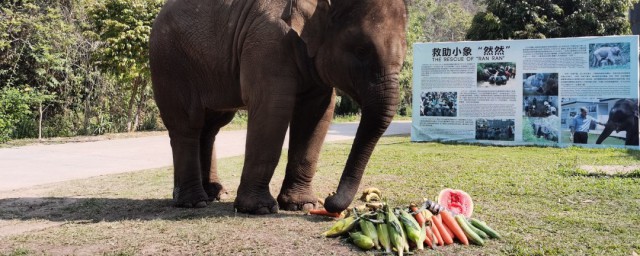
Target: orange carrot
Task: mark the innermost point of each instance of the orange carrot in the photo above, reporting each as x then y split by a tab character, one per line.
450	222
429	238
437	233
324	212
446	238
445	227
418	216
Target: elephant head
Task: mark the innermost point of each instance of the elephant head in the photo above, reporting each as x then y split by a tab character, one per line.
357	46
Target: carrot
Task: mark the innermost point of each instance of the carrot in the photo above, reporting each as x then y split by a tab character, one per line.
450	222
324	212
445	227
429	238
446	238
437	233
418	216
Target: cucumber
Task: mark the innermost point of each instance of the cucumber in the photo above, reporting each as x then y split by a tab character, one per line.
481	233
473	237
484	227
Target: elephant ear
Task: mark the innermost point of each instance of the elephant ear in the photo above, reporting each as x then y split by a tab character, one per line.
309	18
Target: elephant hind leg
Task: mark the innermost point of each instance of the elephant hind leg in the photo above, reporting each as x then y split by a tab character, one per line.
208	162
188	191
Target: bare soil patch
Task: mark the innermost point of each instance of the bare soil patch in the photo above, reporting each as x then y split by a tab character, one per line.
611	170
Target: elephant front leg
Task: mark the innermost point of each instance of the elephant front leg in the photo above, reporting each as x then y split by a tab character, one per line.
311	120
267	127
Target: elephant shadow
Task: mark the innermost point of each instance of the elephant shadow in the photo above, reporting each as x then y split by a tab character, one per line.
93	210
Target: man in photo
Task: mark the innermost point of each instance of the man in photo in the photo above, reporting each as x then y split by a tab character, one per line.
580	127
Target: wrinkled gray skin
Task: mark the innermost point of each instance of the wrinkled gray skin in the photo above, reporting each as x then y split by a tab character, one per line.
280	60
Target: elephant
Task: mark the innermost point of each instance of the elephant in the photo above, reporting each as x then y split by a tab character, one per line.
605	56
622	117
280	60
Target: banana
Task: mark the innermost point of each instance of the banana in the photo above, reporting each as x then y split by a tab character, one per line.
372	197
370	191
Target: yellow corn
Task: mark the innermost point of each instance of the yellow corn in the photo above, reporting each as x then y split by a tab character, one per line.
396	234
341	227
414	231
383	233
369	229
361	240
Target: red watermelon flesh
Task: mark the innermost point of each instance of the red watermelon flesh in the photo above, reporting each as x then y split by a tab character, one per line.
456	201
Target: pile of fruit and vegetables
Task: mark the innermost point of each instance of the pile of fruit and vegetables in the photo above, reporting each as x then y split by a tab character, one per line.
378	226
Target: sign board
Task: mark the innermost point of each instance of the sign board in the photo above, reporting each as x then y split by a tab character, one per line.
523	92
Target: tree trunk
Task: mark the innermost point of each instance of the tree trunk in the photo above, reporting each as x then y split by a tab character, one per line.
134	93
141	103
40	121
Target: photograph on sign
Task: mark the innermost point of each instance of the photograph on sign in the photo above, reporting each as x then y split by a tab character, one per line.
609	56
540	106
540	84
607	121
493	74
495	129
439	104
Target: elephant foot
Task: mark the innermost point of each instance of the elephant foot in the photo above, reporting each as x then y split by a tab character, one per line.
255	203
297	200
215	191
189	199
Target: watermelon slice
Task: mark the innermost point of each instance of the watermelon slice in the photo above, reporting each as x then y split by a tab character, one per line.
456	201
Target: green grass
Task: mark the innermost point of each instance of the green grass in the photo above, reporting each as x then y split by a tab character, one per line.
611	140
536	197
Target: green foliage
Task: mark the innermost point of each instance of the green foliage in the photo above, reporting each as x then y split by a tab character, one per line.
15	108
123	27
94	72
430	21
550	19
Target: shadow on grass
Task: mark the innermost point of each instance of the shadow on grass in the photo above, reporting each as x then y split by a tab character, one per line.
63	209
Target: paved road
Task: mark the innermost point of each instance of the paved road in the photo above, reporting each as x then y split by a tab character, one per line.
28	166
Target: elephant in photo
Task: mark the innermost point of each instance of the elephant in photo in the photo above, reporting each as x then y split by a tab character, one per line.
605	56
622	117
280	60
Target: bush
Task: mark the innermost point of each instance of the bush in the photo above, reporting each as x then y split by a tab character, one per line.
14	108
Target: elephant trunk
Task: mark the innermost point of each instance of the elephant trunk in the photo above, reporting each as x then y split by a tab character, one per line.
608	129
378	103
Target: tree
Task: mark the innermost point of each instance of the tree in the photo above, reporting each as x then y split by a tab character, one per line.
123	28
511	19
431	21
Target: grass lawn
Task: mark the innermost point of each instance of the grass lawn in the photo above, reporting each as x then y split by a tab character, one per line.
611	140
536	197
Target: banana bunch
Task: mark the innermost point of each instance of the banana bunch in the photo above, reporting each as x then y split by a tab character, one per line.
371	194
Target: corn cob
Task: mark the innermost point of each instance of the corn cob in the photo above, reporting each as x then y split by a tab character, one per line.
383	233
413	230
361	240
341	226
396	234
369	229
